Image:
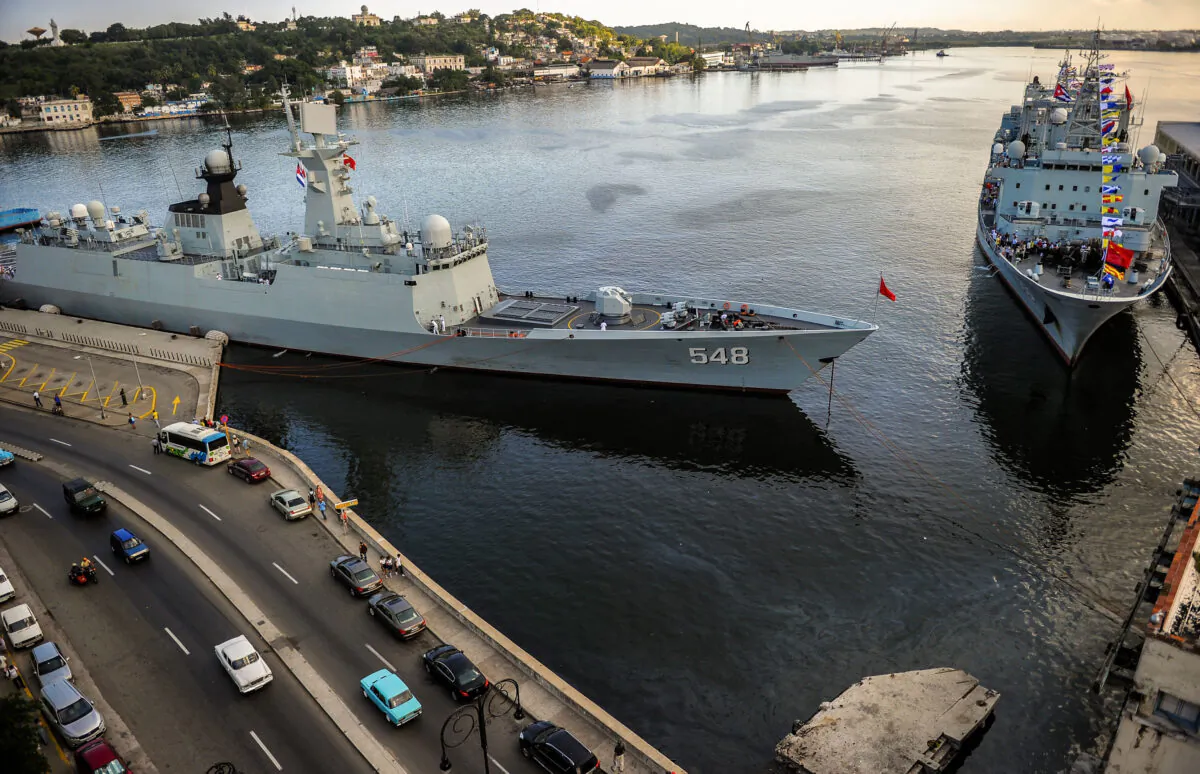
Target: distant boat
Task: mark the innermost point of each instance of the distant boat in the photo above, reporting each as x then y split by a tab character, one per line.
942	53
17	217
150	133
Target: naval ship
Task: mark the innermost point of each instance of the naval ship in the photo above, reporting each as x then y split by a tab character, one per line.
356	285
1068	212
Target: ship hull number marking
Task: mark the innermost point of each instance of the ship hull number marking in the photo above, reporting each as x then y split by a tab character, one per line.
720	355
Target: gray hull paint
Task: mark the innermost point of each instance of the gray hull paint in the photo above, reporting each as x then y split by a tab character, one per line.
297	313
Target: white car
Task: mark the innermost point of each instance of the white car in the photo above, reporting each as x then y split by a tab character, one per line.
290	504
244	665
21	627
8	503
7	591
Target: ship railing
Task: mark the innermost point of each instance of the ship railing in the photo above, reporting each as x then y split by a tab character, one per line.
493	333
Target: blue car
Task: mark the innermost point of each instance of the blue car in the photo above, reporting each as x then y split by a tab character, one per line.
6	458
128	546
389	693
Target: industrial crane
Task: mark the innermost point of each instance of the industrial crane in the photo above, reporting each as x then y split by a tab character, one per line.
883	40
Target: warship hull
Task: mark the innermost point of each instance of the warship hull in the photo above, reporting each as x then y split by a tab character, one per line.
367	316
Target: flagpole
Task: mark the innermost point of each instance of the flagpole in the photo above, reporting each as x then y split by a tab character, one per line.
877	295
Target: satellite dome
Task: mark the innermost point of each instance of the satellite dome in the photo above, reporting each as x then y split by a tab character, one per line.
217	161
435	231
1149	154
204	199
241	189
95	209
1162	158
1016	149
371	202
1058	116
78	211
997	149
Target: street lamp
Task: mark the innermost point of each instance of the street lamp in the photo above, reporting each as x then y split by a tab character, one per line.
97	386
463	721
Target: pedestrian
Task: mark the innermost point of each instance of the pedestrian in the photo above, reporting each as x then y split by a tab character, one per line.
124	401
57	404
132	422
603	326
320	494
246	446
385	566
312	499
345	521
321	508
442	322
399	566
362	551
37	399
154	445
154	416
619	757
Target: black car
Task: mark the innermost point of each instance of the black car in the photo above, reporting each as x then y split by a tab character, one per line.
82	496
356	574
396	613
451	667
556	750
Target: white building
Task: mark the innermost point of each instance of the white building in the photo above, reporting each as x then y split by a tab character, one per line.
67	111
365	19
644	65
555	72
607	68
430	62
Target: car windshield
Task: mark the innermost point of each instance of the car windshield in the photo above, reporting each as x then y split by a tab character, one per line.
400	699
84	494
51	665
406	615
24	623
2	578
4	495
74	712
364	575
131	543
254	466
295	501
238	663
468	675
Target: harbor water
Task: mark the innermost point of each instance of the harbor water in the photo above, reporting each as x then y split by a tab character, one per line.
710	568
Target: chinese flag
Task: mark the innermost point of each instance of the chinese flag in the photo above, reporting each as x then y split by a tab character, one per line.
1118	256
1128	99
883	290
348	161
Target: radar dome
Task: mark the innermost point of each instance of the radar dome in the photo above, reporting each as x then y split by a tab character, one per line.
1058	116
78	211
998	148
95	209
371	202
204	199
1016	149
217	161
1149	154
241	189
435	231
1162	158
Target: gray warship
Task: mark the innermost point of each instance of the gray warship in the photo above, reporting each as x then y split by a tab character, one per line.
356	285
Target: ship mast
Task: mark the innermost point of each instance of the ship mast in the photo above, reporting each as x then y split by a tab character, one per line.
1083	121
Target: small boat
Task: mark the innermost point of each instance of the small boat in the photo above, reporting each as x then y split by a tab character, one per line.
942	53
17	217
150	133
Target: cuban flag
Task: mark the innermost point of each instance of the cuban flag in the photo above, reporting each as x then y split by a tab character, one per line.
1061	94
301	176
1114	222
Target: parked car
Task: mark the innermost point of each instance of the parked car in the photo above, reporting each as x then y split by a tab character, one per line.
97	757
556	750
82	496
356	574
393	698
21	626
249	470
451	667
290	504
396	613
7	591
71	714
243	664
8	503
6	458
128	546
49	664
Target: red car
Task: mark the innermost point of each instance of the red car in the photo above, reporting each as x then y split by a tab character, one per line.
249	470
96	757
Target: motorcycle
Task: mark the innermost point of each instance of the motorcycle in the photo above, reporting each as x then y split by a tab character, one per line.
81	576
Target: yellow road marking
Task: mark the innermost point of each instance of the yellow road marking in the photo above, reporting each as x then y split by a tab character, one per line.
153	402
11	366
31	370
66	384
111	393
83	393
174	405
48	378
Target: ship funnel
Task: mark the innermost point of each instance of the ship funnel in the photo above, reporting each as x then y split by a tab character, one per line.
95	211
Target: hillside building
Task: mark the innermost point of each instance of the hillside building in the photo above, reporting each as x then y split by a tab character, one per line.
366	18
68	111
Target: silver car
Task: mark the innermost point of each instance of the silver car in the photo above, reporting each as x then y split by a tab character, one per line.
73	716
290	504
49	664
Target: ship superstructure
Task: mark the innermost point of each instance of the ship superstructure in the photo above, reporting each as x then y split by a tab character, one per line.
358	285
1068	211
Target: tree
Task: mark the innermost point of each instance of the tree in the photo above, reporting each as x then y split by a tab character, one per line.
73	37
116	32
19	738
449	80
698	63
106	104
337	98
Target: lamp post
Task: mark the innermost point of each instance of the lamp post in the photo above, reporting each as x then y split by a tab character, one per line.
463	721
97	386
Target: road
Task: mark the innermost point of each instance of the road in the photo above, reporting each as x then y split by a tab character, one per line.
284	568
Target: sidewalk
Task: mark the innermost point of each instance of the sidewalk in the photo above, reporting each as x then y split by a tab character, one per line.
55	755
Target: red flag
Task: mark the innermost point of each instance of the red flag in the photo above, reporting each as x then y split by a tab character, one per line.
883	290
349	161
1118	256
1128	99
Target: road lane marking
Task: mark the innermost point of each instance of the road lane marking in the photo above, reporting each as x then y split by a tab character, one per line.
286	574
210	513
43	510
496	763
48	378
105	566
143	470
386	663
31	370
153	401
66	384
111	393
268	752
11	366
171	634
64	443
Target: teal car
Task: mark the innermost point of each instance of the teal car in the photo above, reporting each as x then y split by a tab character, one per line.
389	693
6	458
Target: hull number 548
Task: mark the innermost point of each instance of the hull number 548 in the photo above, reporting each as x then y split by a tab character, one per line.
732	356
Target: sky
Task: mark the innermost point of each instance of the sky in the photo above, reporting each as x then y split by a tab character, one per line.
19	15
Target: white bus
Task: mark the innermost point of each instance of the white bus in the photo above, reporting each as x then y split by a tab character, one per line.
197	443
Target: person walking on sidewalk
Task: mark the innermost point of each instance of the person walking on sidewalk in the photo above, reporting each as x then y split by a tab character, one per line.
619	757
312	499
156	446
124	400
398	566
37	399
321	508
132	422
154	416
362	551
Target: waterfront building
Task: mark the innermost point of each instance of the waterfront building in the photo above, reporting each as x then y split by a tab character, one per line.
344	73
128	99
1180	140
607	68
366	19
429	62
644	65
555	72
714	58
68	111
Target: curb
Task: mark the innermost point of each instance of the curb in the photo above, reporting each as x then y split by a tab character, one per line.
24	454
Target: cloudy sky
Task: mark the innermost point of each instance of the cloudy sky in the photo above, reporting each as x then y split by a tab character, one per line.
19	15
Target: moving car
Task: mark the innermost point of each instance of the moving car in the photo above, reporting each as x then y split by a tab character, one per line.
72	715
396	613
452	668
290	504
8	503
82	496
97	757
20	626
243	664
128	546
389	693
249	470
7	591
6	458
49	664
556	750
356	574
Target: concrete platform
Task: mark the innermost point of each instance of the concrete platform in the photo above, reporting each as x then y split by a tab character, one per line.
904	723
